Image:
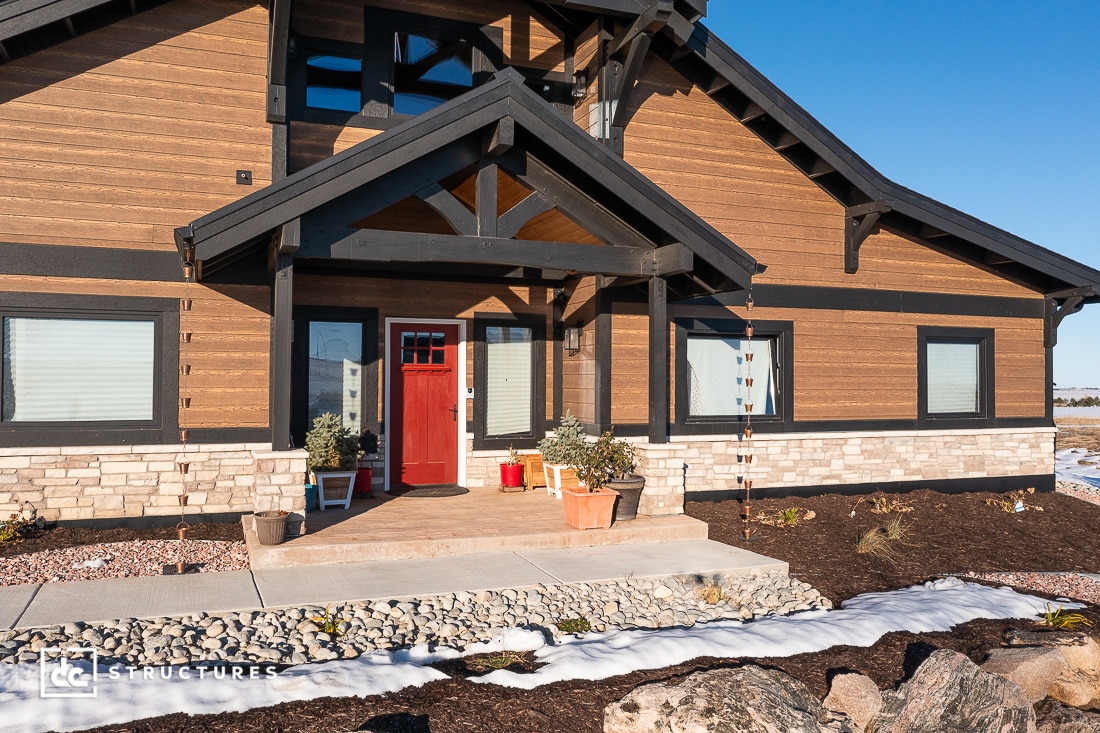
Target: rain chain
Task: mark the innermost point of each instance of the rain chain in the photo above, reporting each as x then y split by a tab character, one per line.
185	403
745	455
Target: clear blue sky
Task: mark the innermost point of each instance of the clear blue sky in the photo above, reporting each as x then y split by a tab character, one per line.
990	107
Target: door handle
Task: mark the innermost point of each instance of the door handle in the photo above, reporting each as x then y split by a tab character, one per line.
454	413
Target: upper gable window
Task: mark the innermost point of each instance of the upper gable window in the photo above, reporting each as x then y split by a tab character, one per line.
406	65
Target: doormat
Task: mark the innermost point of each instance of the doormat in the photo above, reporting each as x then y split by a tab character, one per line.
428	492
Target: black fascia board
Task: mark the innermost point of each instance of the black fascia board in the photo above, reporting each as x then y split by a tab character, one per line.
725	62
617	7
216	234
20	16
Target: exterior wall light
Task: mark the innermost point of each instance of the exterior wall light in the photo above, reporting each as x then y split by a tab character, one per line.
572	339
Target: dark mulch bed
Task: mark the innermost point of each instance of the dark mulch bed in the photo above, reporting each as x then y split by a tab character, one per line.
60	536
945	534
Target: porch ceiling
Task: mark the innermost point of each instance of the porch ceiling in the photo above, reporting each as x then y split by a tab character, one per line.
510	185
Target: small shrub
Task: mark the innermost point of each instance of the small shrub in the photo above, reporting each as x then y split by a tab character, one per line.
789	517
566	445
1058	620
497	660
328	623
574	625
895	529
14	528
331	446
885	505
712	594
1012	499
874	542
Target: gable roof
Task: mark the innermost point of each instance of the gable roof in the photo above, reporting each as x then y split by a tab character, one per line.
789	129
582	177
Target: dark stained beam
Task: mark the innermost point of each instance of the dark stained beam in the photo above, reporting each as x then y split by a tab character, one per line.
521	214
752	112
4	52
658	361
655	17
930	232
454	211
820	168
597	221
632	69
487	200
277	42
370	245
602	356
502	138
282	335
786	140
673	259
859	222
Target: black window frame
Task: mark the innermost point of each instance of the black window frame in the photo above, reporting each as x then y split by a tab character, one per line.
376	53
299	383
984	338
781	333
530	439
162	428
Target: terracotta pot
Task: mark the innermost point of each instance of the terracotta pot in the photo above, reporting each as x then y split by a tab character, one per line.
589	509
511	475
630	493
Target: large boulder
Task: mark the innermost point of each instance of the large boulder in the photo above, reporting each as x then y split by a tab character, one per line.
1033	668
1054	717
950	694
1077	681
744	700
855	695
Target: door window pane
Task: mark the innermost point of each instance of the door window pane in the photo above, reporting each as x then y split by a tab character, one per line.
76	370
953	378
508	356
718	376
335	377
334	82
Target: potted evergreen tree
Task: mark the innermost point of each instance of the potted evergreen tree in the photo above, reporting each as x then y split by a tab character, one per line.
559	451
333	451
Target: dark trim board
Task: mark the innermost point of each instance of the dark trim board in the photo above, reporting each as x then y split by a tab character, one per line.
537	324
56	260
995	484
865	299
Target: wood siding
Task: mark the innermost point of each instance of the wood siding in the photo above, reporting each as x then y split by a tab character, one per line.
114	138
423	299
228	353
769	208
311	142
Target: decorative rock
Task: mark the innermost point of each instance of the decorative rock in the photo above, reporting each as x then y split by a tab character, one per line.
1032	668
855	695
744	700
948	692
1079	683
1054	717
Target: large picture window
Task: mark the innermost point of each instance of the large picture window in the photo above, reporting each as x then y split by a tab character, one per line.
509	381
722	376
78	370
954	372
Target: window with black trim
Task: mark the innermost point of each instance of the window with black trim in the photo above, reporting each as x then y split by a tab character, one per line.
509	381
723	375
954	372
87	370
406	65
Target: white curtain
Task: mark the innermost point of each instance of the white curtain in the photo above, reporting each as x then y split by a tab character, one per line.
78	370
952	378
717	374
508	379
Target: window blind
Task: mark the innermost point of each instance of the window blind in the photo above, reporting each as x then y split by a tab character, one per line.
717	370
508	369
953	378
62	370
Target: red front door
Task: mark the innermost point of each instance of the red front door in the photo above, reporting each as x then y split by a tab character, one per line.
424	411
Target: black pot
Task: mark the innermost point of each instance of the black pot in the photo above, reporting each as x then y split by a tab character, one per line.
630	492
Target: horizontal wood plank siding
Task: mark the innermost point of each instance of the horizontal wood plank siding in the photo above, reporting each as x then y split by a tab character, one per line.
116	137
311	142
769	208
228	353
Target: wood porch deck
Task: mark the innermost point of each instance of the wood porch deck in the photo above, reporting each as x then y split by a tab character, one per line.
392	528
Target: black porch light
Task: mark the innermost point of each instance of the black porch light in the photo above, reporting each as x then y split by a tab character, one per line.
572	339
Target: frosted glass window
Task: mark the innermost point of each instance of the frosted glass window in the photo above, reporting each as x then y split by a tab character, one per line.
508	356
953	378
335	372
718	376
78	370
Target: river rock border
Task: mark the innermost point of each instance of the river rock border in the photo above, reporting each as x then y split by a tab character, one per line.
294	635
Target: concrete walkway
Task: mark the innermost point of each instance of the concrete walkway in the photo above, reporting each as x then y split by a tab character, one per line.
105	600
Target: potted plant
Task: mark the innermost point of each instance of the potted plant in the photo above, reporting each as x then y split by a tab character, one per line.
333	451
593	504
511	472
621	462
559	451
